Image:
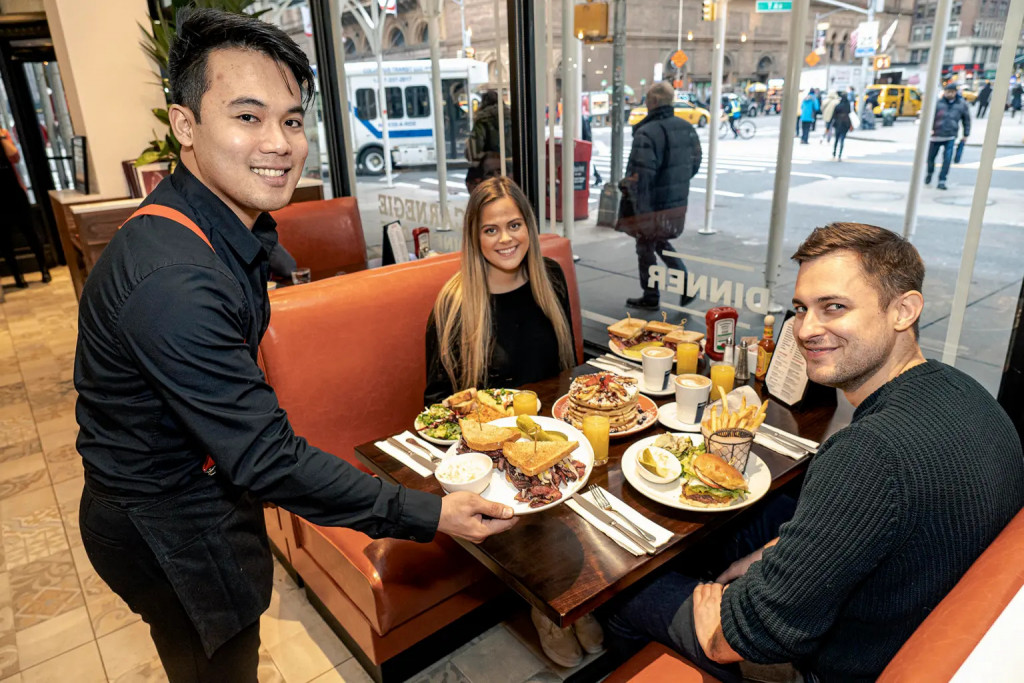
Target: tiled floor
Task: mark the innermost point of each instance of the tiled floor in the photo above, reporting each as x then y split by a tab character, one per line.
60	622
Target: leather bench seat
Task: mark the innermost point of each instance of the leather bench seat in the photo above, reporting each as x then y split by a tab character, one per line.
325	236
658	664
345	356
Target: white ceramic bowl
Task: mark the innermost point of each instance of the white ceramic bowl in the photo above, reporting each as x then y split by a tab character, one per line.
664	459
477	462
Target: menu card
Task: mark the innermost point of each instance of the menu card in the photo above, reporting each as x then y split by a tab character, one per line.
786	379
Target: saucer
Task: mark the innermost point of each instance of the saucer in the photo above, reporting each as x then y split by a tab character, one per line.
657	392
667	417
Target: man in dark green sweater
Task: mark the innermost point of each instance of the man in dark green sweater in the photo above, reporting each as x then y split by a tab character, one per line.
894	508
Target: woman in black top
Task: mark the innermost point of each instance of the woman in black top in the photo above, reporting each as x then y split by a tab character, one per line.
16	206
503	321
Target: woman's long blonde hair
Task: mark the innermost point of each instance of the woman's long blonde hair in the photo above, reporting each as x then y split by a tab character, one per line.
462	311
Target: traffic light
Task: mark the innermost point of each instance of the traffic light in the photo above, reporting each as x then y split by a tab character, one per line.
707	10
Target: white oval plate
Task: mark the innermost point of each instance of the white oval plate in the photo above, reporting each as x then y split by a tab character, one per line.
502	491
667	417
449	442
759	480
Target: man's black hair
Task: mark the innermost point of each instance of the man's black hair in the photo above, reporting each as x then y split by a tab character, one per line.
201	31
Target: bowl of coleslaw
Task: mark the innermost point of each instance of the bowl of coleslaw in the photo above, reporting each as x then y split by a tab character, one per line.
465	472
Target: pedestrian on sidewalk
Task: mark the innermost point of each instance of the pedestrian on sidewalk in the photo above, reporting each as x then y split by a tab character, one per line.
808	109
950	113
588	135
666	154
1015	97
867	117
840	126
984	96
827	109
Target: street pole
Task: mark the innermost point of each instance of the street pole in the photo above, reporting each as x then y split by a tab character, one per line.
924	120
717	67
1011	32
552	107
570	115
679	41
382	103
433	12
608	211
784	158
501	90
864	70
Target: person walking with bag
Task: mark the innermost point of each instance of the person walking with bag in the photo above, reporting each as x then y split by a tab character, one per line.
666	154
950	113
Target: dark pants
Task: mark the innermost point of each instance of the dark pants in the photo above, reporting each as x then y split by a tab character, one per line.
18	216
982	108
840	130
947	157
663	610
732	125
122	558
805	130
647	253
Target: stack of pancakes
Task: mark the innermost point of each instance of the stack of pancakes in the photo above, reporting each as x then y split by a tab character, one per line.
605	394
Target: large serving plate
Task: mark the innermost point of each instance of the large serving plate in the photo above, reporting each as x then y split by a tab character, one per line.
500	490
759	479
647	407
448	442
619	350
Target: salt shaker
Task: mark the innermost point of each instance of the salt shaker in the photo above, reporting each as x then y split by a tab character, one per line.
742	368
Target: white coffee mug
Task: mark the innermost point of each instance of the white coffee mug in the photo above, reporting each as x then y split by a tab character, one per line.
692	393
657	362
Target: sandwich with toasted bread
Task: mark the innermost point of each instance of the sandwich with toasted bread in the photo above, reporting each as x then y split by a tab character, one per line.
539	468
631	335
715	483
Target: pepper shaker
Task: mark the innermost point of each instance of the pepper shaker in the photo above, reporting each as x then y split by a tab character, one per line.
742	368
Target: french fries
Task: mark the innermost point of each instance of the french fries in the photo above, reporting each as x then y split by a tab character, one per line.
747	417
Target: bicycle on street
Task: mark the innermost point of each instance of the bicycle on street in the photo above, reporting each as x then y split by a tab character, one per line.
745	128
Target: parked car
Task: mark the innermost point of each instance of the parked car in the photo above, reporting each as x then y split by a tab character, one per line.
698	116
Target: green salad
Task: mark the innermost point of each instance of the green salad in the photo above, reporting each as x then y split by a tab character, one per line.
682	447
439	422
503	397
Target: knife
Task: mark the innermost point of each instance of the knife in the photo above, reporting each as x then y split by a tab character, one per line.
415	456
602	516
786	440
615	360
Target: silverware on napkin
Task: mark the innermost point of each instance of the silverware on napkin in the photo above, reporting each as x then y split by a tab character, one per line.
601	516
419	459
420	447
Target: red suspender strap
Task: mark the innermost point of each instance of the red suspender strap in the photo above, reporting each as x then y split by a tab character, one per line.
209	467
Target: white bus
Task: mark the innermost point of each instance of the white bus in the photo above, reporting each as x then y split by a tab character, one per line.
409	91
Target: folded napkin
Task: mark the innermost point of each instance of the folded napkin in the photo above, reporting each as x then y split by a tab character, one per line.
764	438
637	374
405	459
660	533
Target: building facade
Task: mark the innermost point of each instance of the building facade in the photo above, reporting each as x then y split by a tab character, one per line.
972	41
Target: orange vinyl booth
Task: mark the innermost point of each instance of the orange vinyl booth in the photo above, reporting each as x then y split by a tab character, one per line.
346	358
325	236
935	651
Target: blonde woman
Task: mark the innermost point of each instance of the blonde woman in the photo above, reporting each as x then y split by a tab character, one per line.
503	321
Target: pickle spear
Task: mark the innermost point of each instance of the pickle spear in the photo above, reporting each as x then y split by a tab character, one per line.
533	431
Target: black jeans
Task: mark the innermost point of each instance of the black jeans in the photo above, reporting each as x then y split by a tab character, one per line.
122	558
647	253
18	216
663	610
840	131
982	108
805	130
947	157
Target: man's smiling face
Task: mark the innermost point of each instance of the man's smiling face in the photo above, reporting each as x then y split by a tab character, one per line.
842	330
250	145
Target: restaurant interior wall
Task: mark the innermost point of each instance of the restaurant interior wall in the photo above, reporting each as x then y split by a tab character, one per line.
108	80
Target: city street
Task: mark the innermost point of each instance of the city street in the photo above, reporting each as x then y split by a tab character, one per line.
870	185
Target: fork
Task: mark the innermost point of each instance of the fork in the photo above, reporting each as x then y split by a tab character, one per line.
603	503
422	449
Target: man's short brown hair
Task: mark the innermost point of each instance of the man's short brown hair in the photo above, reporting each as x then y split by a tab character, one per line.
891	263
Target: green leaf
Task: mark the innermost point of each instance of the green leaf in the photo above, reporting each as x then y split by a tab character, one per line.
148	157
162	116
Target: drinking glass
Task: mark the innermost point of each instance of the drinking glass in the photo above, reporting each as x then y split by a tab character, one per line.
722	375
301	276
686	358
524	403
596	428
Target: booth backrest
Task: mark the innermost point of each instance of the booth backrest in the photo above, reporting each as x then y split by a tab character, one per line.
346	355
944	640
324	235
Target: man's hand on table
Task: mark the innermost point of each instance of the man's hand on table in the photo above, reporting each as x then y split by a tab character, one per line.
707	623
467	515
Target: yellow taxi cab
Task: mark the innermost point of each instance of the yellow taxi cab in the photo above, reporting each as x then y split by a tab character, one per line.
698	116
905	99
969	95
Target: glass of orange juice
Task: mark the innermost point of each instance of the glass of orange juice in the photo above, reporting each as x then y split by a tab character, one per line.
524	402
596	428
686	357
722	375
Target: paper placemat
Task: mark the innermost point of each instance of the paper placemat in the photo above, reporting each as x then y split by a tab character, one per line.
660	533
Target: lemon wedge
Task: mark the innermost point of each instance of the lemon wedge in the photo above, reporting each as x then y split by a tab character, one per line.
653	465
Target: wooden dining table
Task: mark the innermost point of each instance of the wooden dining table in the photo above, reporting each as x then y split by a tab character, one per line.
566	567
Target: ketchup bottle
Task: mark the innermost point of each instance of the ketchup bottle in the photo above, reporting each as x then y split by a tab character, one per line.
721	324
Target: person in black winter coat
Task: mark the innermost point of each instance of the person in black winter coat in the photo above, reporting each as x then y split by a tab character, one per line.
840	126
984	97
666	154
950	113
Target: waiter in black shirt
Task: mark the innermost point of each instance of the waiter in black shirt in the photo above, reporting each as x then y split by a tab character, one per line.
180	434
